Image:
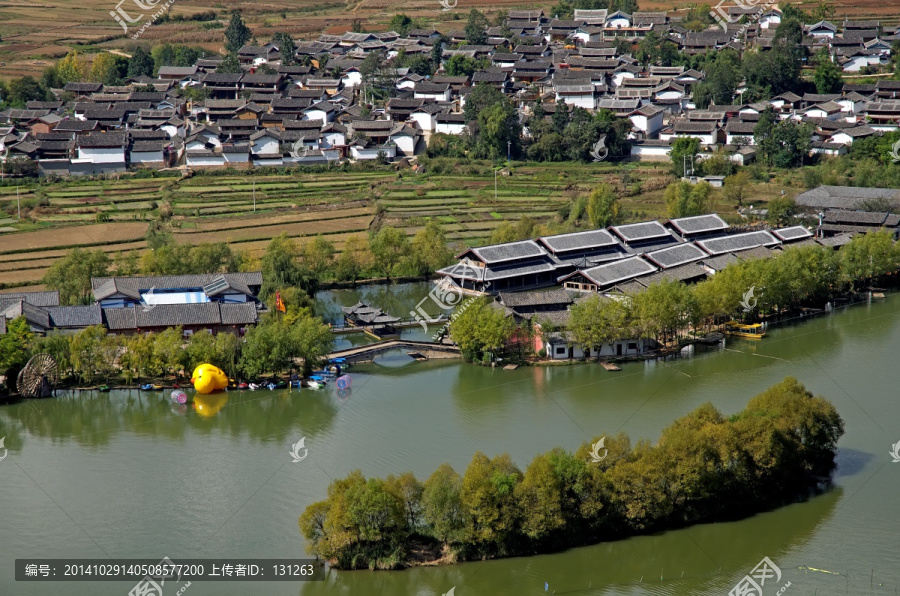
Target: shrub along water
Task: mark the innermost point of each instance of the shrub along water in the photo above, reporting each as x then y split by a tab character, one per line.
705	467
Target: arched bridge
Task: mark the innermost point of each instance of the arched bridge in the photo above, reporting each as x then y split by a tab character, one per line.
426	348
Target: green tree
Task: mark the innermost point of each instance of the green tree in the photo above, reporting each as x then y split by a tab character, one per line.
499	131
598	320
140	64
442	507
480	329
317	256
229	64
401	24
14	346
25	89
237	34
213	257
491	513
72	275
781	211
603	207
828	75
476	28
312	342
663	309
201	349
461	65
168	351
86	350
286	48
482	97
684	199
389	247
281	268
354	259
683	154
428	250
72	67
735	187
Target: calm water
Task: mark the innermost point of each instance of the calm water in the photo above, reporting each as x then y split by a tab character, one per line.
124	475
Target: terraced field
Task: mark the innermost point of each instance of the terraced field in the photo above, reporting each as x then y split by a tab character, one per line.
246	212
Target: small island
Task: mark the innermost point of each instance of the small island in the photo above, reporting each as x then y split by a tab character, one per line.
705	467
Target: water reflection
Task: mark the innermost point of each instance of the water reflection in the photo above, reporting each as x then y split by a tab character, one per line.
93	419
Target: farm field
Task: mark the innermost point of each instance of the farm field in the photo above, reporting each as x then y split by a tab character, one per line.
209	208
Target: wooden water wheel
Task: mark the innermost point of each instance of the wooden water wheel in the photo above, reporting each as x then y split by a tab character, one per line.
38	376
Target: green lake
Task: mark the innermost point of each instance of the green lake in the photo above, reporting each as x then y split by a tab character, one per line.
128	475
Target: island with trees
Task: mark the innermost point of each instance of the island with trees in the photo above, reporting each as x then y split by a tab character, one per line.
705	467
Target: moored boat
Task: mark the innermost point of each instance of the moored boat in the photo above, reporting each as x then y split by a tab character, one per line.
754	331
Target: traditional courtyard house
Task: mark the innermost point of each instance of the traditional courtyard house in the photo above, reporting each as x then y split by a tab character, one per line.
400	110
450	123
223	85
262	83
213	317
238	129
257	55
644	237
882	115
178	74
425	116
840	221
822	29
845	197
581	250
511	266
148	154
576	94
737	242
697	227
499	79
739	132
322	111
706	132
591	17
82	90
106	149
432	91
848	135
407	140
604	277
770	19
885	89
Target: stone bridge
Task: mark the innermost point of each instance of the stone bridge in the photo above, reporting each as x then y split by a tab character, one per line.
426	348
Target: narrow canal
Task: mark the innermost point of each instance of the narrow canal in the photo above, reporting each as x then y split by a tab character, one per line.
126	475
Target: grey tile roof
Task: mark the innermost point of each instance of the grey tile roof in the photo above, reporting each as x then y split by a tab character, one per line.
550	297
75	316
792	233
641	231
676	255
511	251
844	197
735	242
610	273
855	217
493	273
578	241
720	262
698	224
49	298
169	315
752	254
239	313
836	241
253	278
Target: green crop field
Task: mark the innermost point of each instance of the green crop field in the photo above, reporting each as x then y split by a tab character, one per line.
113	215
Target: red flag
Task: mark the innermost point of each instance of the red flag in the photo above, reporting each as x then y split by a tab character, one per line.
279	303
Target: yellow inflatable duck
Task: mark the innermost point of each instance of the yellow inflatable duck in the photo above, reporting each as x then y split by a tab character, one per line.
207	378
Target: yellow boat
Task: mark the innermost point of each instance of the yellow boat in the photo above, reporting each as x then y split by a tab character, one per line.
754	331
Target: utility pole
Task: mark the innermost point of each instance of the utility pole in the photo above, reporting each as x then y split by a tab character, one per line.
18	204
508	150
495	185
254	195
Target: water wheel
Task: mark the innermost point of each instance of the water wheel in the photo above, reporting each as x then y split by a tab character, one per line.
38	376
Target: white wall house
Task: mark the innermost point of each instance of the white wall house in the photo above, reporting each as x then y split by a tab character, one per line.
451	124
424	119
559	348
351	77
648	119
359	152
102	148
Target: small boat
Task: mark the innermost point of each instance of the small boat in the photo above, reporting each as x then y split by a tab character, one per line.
254	386
316	382
242	386
754	331
151	387
103	388
271	386
296	384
